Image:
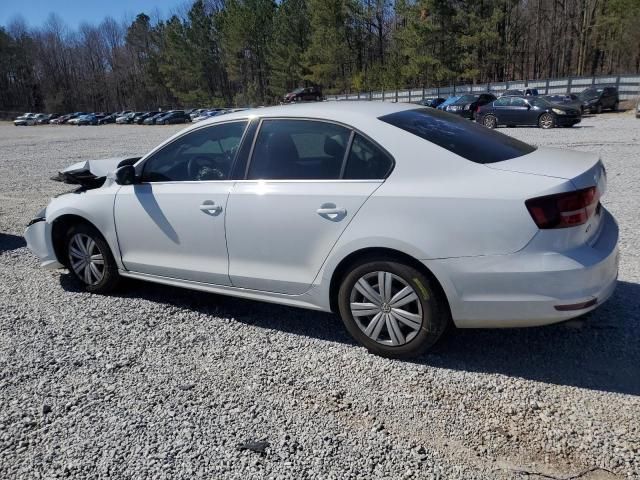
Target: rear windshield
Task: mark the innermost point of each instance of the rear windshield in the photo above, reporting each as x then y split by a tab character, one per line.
459	135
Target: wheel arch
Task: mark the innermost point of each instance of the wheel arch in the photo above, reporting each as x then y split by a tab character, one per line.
378	253
59	228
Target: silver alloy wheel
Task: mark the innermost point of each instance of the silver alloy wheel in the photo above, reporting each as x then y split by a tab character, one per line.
546	120
87	261
386	308
489	121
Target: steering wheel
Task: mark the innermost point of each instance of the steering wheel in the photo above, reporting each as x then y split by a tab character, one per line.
203	168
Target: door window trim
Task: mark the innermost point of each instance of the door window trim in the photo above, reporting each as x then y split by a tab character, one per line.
353	131
141	163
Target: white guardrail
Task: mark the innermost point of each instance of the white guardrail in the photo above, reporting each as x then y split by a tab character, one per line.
628	88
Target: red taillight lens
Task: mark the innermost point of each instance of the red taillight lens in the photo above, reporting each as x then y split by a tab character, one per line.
564	210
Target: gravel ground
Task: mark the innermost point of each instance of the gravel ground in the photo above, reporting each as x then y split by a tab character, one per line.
158	382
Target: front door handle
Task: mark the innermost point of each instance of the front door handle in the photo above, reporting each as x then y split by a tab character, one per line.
331	212
210	207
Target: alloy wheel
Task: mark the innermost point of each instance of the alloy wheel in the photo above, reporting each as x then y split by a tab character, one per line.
87	261
386	308
546	121
490	121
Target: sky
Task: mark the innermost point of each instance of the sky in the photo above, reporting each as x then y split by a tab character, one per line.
74	12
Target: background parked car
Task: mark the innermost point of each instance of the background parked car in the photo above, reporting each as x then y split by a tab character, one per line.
526	92
174	116
467	105
89	119
447	102
139	119
567	99
73	118
151	120
431	102
47	118
514	111
128	118
25	120
111	118
304	94
600	98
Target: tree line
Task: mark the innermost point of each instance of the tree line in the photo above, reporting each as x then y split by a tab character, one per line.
250	52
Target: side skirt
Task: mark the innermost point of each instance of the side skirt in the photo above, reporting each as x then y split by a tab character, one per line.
300	301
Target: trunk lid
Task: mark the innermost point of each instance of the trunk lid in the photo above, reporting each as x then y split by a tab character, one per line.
583	169
574	171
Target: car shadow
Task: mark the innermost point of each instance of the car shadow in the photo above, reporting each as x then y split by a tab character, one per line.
10	242
599	351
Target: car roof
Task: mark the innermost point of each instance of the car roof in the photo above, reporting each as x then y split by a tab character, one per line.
347	112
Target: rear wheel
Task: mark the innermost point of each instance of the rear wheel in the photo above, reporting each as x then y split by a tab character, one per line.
90	259
546	121
490	121
392	309
615	107
599	109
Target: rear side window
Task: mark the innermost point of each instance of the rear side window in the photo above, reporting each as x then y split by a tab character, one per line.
298	150
367	161
469	140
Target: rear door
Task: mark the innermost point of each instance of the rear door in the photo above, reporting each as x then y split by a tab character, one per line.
501	109
520	112
305	182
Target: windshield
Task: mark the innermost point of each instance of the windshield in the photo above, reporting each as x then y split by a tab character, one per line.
450	100
458	135
467	99
591	93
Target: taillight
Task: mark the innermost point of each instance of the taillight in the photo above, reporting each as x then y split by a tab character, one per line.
563	210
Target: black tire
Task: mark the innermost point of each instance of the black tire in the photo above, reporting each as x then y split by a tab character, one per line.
110	277
599	109
435	311
615	107
490	121
546	121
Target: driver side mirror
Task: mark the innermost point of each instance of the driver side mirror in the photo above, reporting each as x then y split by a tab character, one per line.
126	175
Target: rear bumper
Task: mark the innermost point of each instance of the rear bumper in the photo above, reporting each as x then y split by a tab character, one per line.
38	237
524	289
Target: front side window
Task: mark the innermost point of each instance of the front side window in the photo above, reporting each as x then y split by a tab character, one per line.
456	134
200	155
298	150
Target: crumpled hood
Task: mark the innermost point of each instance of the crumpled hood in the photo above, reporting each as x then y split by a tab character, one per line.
92	173
99	168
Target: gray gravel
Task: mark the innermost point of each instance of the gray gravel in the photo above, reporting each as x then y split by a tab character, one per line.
157	382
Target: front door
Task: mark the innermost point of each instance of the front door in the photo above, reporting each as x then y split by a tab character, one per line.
302	190
171	223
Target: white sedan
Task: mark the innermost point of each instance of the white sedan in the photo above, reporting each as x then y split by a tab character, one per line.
401	218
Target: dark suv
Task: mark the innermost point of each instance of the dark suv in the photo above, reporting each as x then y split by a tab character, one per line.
597	99
303	94
174	116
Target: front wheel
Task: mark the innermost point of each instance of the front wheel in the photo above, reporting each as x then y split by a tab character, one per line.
546	121
615	107
392	309
90	259
490	121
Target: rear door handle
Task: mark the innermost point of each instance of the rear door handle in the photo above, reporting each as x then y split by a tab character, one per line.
331	212
210	207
